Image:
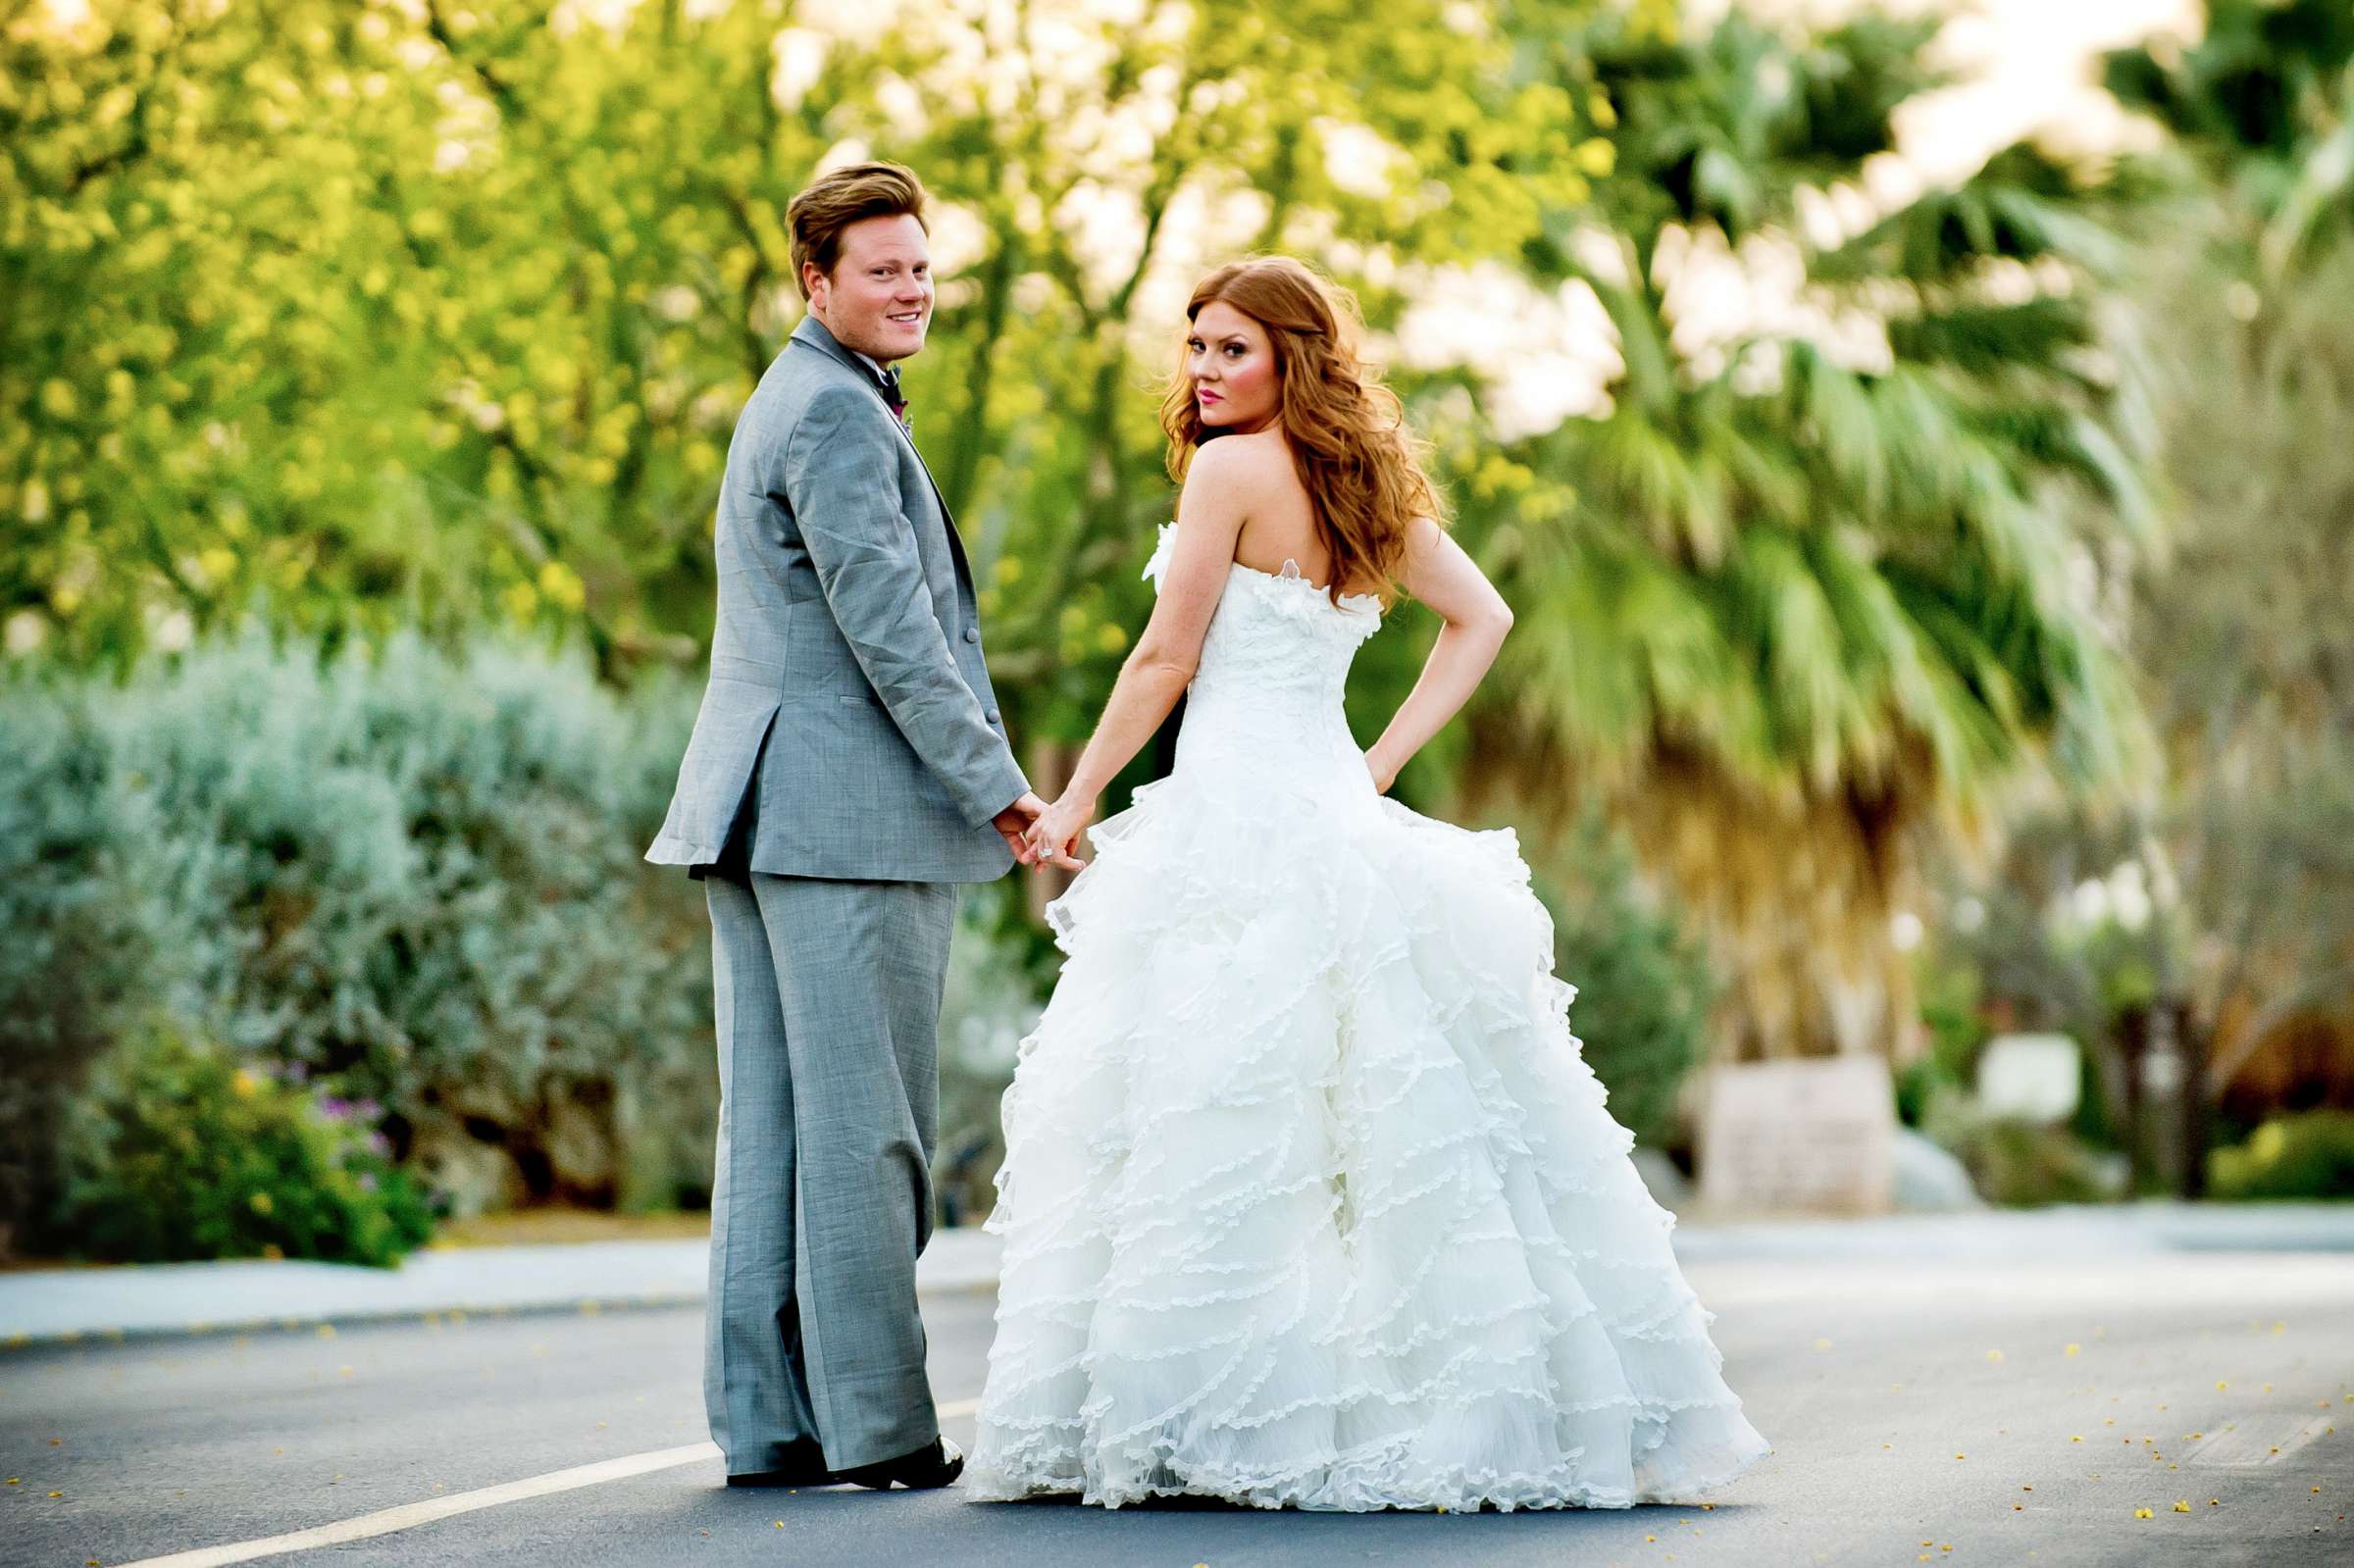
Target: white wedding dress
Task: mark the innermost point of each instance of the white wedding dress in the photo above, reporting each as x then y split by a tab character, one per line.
1308	1199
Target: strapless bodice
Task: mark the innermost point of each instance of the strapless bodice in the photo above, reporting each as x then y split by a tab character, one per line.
1267	695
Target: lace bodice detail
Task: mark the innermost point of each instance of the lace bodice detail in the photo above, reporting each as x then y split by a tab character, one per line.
1274	669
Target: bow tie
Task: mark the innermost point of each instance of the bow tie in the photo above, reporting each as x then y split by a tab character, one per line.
890	395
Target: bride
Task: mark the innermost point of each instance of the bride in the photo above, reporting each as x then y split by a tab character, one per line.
1308	1199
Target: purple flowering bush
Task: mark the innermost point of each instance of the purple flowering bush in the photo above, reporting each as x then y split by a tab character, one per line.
184	1150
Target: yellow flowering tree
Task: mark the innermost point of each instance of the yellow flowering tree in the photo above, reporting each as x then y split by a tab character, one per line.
414	312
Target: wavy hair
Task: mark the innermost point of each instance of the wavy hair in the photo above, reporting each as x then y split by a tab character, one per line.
1360	463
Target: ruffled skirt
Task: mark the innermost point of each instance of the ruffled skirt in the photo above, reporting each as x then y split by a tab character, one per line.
1310	1199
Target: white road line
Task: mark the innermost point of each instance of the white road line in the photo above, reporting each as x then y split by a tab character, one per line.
411	1514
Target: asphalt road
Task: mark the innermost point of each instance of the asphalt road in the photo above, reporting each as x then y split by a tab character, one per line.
1921	1411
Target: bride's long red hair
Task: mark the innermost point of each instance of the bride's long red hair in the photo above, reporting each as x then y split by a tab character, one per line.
1360	465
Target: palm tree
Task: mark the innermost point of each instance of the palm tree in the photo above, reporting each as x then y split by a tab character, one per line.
1807	594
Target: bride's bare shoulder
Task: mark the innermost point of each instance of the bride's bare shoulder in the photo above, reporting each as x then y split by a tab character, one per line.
1239	459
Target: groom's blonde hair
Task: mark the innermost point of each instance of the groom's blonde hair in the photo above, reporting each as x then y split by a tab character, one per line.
841	197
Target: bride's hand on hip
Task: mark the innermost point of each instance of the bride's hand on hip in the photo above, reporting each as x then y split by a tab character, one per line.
1054	836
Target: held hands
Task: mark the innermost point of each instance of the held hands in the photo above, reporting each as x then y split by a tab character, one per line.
1013	825
1017	826
1384	774
1054	837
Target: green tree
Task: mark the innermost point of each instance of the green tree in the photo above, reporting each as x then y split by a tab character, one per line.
1807	589
2263	106
203	312
2236	629
2241	633
435	314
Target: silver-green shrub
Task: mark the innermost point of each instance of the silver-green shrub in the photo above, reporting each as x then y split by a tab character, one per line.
415	875
78	934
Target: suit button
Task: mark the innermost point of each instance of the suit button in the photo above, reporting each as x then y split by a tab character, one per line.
992	716
972	633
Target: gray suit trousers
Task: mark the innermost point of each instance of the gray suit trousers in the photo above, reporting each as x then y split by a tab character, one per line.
829	996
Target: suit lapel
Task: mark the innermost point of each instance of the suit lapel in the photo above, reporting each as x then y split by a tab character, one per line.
813	333
948	521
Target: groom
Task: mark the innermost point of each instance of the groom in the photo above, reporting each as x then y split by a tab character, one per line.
848	768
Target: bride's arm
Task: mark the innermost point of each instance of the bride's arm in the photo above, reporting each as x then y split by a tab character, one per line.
1437	572
1210	519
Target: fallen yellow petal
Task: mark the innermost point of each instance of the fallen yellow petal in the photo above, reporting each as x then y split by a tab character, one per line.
2143	1513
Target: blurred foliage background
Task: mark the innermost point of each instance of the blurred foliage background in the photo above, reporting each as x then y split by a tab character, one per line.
1947	635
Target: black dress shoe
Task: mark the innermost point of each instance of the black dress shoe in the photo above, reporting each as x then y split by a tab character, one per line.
935	1464
804	1466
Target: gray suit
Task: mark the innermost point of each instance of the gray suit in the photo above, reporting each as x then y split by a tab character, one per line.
842	777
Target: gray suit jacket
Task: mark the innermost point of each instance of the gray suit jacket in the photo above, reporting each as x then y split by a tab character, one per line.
849	720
